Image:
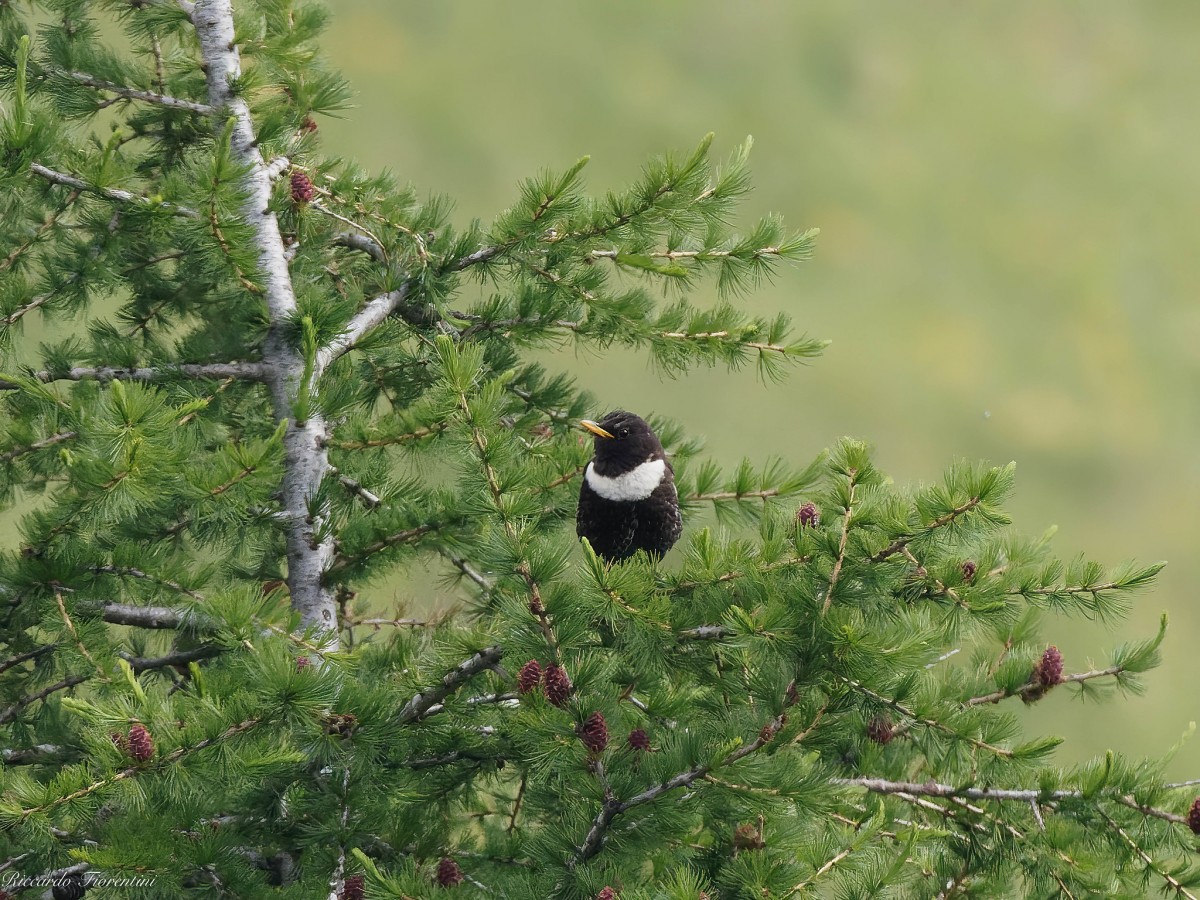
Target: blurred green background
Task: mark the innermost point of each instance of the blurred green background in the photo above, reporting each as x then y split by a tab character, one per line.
1007	267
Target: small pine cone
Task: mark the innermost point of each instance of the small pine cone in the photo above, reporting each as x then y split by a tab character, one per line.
1049	671
119	742
529	677
808	516
302	663
302	188
536	607
968	570
606	893
1193	816
352	888
308	126
881	730
748	837
141	745
639	740
771	729
448	873
594	732
557	685
341	724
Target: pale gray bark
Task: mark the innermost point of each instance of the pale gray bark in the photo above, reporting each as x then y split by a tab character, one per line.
248	370
309	544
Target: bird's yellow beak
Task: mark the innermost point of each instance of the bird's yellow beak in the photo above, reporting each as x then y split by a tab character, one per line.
589	425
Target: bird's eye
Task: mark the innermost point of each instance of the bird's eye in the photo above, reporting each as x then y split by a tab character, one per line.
624	432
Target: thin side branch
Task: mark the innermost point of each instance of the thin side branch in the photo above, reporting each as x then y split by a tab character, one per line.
25	657
463	672
13	711
136	94
364	322
1019	795
1145	857
900	543
1026	689
38	445
928	723
178	658
594	840
250	371
142	616
134	770
117	195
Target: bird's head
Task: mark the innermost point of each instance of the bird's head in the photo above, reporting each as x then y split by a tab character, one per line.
623	442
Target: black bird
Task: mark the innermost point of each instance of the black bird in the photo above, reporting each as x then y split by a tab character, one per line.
628	500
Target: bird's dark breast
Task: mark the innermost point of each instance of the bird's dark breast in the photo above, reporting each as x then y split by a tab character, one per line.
619	529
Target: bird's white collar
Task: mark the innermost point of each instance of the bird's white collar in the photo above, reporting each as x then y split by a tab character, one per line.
636	484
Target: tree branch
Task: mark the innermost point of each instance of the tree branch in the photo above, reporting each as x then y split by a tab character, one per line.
134	770
363	323
464	671
175	658
343	561
594	840
1019	795
15	710
50	441
115	194
135	94
142	616
38	754
1026	689
250	371
764	494
900	543
25	657
928	723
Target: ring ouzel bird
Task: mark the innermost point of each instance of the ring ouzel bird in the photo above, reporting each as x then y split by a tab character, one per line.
628	500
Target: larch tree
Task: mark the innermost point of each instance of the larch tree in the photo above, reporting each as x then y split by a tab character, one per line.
270	380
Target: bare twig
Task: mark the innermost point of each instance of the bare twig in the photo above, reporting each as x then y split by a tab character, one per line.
369	500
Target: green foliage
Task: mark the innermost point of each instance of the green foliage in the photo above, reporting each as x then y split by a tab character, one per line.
825	683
